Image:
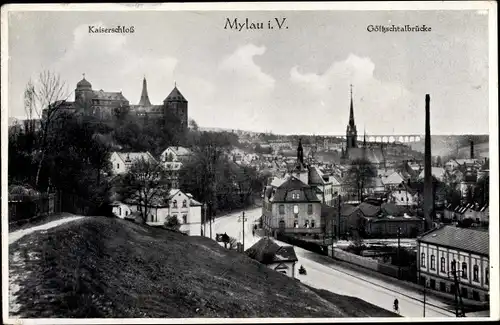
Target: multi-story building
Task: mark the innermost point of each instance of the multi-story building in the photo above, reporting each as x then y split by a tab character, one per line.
121	161
446	252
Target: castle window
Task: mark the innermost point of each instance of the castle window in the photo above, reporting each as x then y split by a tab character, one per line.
475	275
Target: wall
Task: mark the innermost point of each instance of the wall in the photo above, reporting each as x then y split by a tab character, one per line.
289	216
287	268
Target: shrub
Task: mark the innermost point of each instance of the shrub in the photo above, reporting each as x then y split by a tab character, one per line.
172	223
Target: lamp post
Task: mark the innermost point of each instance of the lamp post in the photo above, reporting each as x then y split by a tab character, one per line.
242	219
399	244
458	297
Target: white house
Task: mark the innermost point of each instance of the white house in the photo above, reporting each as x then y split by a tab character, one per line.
279	258
121	161
175	154
121	210
393	180
444	252
403	196
187	210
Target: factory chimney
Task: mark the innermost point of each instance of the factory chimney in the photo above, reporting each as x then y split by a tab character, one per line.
471	149
428	182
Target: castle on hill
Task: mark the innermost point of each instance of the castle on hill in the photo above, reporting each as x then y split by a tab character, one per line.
105	105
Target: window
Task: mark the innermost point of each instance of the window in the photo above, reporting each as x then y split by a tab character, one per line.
453	265
306	224
433	262
475	295
175	203
422	260
433	284
126	212
475	273
309	209
282	209
486	277
120	211
465	293
464	270
295	224
184	218
296	210
312	223
117	166
443	264
184	204
442	286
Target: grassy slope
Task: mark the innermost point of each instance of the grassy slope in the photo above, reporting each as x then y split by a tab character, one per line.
101	267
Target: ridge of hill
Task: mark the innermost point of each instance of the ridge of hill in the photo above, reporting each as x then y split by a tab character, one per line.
107	267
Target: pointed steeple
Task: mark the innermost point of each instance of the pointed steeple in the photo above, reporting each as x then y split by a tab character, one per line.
300	154
351	112
144	95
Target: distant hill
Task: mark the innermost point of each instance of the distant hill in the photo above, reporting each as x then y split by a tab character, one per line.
106	267
447	145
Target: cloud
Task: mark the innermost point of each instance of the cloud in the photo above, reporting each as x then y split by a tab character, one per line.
376	102
113	61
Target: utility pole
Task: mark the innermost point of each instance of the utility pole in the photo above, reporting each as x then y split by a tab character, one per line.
399	261
243	225
425	291
210	220
205	219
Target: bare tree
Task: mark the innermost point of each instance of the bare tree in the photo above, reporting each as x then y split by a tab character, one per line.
145	184
42	100
359	175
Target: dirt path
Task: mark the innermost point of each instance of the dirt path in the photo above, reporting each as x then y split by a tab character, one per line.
16	262
16	235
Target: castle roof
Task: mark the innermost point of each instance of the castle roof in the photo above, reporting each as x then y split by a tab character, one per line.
106	95
175	96
83	84
144	101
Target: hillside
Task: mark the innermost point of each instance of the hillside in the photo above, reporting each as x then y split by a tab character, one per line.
103	267
446	145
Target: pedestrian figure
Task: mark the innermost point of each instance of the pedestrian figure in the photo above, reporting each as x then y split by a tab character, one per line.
253	232
396	305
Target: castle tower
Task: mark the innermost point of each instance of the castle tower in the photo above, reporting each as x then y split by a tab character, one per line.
351	132
144	95
83	91
177	105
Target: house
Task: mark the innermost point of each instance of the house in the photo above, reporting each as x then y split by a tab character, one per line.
279	258
479	214
175	203
121	210
393	180
323	185
404	195
121	161
291	208
175	154
446	252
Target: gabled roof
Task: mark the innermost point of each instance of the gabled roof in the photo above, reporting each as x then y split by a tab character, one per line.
292	184
266	251
465	239
106	95
368	210
393	179
127	157
175	96
179	151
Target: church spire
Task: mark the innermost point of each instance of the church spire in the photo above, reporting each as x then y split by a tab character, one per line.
144	95
300	154
351	112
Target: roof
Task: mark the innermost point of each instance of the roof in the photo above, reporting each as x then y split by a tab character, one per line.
347	209
368	209
373	155
437	172
84	84
293	184
175	96
465	239
124	156
393	179
266	251
179	151
106	95
193	202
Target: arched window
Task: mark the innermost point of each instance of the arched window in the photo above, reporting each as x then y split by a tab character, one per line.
422	260
433	262
475	273
296	209
175	203
464	270
443	264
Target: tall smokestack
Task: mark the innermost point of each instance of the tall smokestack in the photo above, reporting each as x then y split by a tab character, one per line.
471	149
428	186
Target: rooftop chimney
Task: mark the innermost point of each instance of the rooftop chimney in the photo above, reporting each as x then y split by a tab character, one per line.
428	186
472	149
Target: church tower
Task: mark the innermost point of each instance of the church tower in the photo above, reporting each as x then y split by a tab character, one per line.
144	102
351	132
176	104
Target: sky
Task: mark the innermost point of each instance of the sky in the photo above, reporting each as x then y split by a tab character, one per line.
293	80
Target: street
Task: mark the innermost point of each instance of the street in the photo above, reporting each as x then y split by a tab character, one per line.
324	273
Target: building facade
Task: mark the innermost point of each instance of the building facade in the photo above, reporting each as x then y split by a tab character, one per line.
446	252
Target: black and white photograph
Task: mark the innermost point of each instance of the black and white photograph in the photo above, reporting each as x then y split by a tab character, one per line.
254	162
